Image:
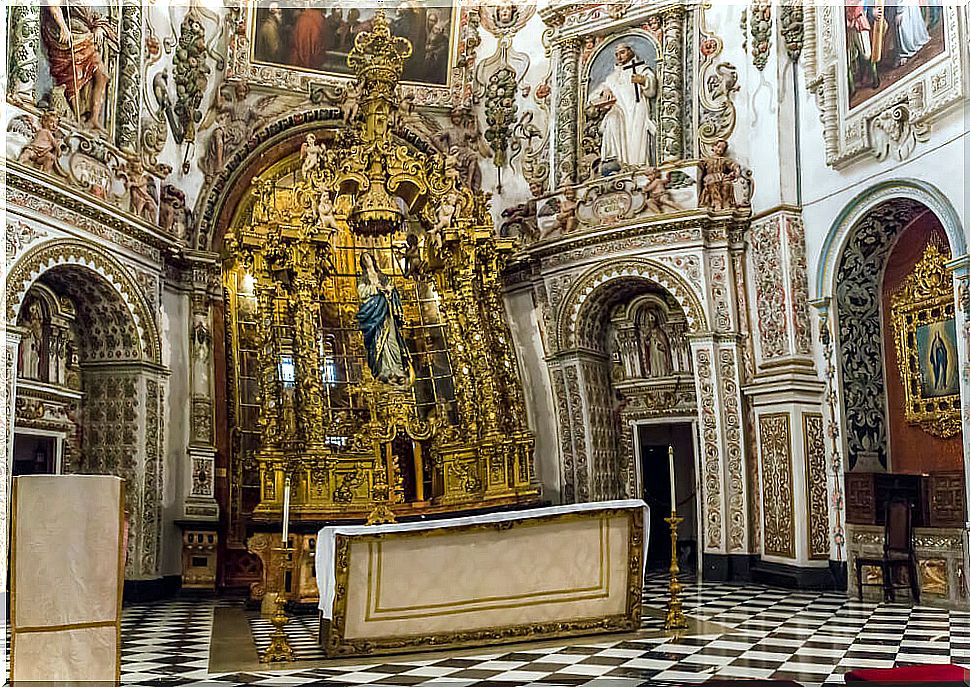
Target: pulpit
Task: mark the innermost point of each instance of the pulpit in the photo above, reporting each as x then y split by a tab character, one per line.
474	581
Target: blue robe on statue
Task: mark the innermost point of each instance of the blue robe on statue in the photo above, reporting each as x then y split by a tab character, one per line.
380	318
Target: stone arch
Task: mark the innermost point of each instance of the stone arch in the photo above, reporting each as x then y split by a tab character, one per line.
113	279
589	290
897	189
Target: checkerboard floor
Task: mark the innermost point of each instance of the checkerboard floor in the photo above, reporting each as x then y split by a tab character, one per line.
806	637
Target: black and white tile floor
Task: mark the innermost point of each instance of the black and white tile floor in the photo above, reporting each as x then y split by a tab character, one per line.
801	636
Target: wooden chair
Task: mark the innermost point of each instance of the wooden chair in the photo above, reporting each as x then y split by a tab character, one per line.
897	552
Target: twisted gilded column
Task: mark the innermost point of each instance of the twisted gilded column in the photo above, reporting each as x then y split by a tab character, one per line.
309	393
268	357
129	76
24	41
672	86
567	111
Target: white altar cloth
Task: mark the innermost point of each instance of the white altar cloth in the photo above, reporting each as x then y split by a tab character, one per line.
326	539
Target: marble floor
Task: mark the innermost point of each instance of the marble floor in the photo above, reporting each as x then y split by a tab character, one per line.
747	632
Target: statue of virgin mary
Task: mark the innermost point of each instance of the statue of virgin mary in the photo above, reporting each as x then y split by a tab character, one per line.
380	318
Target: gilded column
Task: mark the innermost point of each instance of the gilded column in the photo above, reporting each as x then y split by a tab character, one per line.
567	111
129	77
672	86
24	40
309	393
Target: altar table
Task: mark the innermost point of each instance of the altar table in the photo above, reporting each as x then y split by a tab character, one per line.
513	576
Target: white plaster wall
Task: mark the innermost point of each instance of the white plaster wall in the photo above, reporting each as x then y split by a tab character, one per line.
524	321
173	323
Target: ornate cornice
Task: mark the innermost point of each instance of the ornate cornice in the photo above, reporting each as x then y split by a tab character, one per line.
21	178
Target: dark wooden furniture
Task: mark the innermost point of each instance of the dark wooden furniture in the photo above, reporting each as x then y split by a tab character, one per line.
898	551
938	500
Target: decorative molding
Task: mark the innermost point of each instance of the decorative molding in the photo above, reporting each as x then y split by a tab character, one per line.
711	462
717	82
671	106
777	484
129	77
733	448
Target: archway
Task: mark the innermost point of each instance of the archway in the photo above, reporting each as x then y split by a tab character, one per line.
626	393
88	379
897	339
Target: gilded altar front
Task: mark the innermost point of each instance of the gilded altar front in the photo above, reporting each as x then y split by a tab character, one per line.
372	364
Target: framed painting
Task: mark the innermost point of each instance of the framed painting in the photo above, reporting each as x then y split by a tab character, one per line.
304	46
924	324
882	72
887	41
77	62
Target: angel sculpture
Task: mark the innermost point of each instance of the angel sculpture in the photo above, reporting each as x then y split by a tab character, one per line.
45	146
410	253
325	212
140	191
311	153
656	193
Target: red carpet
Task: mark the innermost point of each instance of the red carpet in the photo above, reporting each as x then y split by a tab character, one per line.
936	674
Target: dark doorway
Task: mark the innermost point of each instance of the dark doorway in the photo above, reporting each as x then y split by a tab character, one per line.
33	454
654	440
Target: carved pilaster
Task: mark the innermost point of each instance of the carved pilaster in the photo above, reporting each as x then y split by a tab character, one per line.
8	395
129	76
672	86
303	311
567	111
24	40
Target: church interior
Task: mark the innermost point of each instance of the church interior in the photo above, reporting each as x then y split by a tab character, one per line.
486	343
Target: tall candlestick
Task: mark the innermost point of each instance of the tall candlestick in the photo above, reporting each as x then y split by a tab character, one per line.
286	514
673	484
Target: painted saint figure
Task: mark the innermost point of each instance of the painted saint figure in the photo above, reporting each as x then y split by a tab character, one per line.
74	37
380	318
939	359
629	131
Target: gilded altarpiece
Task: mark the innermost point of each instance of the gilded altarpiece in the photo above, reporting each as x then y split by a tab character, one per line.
372	366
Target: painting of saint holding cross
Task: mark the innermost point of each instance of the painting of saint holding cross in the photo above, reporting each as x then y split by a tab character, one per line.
623	82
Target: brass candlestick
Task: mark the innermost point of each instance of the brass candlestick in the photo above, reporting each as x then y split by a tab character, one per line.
279	648
676	620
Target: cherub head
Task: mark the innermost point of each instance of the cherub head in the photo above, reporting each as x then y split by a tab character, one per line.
720	147
49	120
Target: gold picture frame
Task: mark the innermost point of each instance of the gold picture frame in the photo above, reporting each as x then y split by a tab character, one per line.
924	324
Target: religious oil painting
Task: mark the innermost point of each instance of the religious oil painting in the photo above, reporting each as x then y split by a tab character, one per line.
317	37
77	66
620	107
886	40
937	351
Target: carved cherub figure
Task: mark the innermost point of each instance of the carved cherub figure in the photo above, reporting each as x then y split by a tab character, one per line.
715	178
44	149
410	253
566	217
310	153
446	211
325	212
656	193
139	185
350	104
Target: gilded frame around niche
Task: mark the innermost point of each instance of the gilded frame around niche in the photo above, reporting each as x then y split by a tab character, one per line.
924	324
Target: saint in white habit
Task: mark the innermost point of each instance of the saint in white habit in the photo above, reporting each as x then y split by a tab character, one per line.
628	131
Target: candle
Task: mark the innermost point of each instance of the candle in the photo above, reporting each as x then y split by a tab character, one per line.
673	486
286	514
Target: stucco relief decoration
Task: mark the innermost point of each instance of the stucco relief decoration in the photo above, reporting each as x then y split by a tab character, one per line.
771	298
757	27
732	419
778	491
498	80
817	480
858	302
709	441
791	21
798	276
882	80
717	84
